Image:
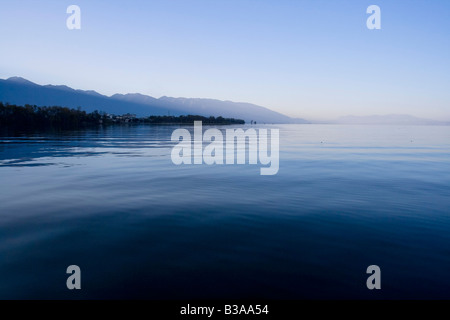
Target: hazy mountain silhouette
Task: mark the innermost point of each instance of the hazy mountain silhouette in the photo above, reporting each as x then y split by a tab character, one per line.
393	119
20	91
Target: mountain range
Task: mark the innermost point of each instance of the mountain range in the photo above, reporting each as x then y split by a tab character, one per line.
17	90
20	91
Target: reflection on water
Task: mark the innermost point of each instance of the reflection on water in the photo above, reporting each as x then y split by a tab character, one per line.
111	201
38	149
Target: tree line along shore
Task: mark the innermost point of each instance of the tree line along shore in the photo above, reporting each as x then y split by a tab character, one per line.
56	117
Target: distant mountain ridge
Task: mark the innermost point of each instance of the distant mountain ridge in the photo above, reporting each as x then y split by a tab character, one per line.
389	119
21	91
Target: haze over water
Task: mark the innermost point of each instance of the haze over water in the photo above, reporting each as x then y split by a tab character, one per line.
112	202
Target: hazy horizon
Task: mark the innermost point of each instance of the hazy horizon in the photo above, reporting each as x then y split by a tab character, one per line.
312	120
313	60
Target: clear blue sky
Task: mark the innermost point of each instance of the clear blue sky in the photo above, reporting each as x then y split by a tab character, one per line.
314	59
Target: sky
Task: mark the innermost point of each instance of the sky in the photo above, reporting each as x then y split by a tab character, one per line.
313	59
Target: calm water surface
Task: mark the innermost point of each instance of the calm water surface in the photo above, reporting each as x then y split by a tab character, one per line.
112	202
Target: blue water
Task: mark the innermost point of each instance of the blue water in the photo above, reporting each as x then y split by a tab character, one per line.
112	202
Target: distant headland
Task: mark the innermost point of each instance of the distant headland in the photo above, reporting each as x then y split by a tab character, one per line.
56	117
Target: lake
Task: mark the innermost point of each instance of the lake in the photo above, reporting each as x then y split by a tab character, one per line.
111	201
